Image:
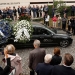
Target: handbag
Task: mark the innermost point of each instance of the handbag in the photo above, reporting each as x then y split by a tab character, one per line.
12	71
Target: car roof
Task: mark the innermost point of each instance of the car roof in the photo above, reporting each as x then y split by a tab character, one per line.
36	24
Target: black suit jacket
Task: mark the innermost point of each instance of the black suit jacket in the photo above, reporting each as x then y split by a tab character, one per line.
62	70
56	60
6	70
43	69
0	12
19	10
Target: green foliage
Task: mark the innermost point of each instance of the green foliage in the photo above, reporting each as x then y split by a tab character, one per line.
69	10
8	19
56	3
37	19
50	10
60	10
59	3
59	6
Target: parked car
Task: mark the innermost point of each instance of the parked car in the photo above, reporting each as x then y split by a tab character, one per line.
47	37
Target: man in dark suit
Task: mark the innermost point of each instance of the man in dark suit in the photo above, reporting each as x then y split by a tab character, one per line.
36	56
19	11
45	68
64	69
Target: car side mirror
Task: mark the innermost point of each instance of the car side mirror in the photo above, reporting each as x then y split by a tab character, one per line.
52	34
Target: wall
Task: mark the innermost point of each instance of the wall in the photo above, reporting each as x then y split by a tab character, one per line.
16	3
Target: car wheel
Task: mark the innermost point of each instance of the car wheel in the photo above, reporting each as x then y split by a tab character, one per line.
64	43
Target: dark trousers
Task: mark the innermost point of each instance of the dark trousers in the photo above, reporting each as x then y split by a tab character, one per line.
73	30
30	13
64	26
69	27
37	14
47	23
32	72
34	14
72	13
40	14
19	14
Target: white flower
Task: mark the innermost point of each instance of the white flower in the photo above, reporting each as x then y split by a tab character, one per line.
22	31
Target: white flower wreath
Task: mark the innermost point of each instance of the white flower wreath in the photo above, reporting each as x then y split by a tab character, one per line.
22	31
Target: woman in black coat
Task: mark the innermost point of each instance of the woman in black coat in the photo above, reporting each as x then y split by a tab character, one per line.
56	58
7	68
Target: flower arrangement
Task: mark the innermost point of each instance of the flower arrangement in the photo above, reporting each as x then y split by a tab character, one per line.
25	17
22	31
8	19
5	30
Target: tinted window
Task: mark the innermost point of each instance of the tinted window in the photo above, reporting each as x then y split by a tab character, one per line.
40	31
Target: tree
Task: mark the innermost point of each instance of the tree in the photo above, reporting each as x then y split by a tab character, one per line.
59	5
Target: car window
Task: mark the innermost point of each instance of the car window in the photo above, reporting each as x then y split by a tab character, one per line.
34	31
40	31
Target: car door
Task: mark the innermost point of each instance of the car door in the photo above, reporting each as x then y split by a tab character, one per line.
35	35
43	35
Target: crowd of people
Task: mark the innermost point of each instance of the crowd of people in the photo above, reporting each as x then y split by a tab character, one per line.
40	62
34	11
48	64
65	23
